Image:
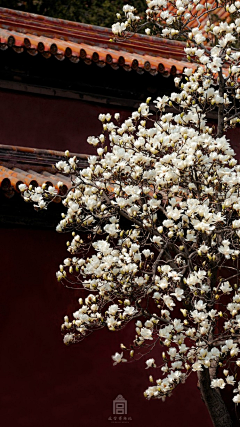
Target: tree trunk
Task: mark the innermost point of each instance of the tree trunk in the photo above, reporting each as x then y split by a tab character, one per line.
213	400
221	106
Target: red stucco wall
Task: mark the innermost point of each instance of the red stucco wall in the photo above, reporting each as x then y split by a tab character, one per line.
46	384
234	136
50	123
57	123
43	382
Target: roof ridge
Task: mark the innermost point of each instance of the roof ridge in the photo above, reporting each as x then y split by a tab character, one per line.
24	22
42	152
25	165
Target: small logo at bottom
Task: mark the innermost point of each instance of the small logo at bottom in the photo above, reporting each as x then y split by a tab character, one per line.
120	405
120	408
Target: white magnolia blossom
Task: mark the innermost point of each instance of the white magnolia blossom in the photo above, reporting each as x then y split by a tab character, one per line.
150	363
118	358
155	217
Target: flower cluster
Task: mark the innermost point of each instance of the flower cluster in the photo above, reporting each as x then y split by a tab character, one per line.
155	217
162	212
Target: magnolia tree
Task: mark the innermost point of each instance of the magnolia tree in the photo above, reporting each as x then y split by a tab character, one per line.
155	217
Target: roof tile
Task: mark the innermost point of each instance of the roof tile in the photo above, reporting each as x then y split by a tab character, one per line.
20	165
49	36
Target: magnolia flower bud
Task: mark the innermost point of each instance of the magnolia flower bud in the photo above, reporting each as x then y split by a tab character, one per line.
184	312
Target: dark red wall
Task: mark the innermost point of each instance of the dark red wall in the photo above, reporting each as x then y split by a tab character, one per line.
46	384
43	382
234	136
50	123
57	123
